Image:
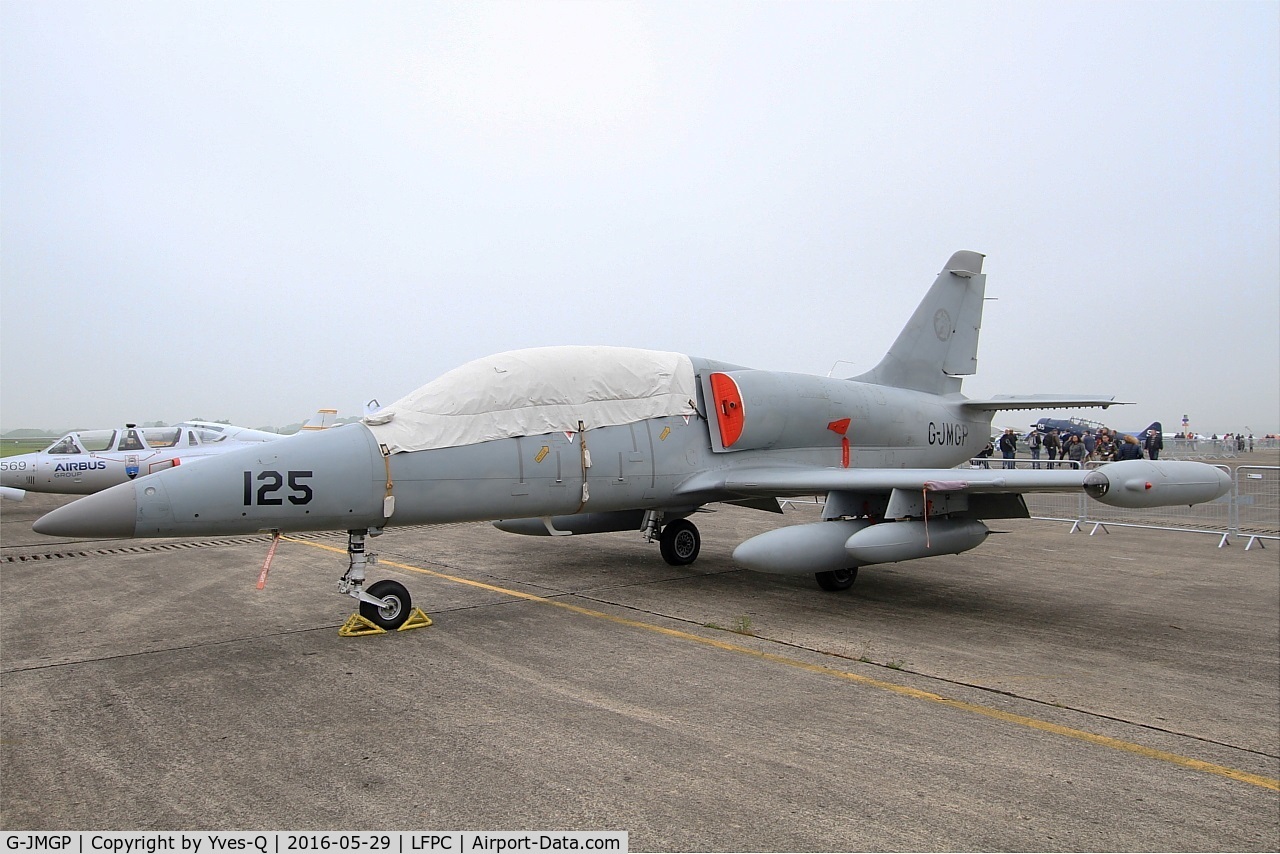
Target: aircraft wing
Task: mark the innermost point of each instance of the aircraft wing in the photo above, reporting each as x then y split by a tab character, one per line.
785	481
1129	483
1041	401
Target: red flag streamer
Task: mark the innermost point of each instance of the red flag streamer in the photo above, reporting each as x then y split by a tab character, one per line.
924	496
936	486
266	564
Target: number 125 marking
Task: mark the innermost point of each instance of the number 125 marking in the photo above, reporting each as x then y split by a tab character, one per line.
272	482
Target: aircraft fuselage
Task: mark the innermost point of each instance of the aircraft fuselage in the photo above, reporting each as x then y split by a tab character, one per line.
340	478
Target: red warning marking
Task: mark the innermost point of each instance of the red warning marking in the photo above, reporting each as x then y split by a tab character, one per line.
730	414
842	428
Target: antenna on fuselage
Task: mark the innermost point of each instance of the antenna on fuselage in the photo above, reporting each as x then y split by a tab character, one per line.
839	362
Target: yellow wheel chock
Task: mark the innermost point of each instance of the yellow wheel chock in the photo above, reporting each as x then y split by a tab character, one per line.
357	626
416	620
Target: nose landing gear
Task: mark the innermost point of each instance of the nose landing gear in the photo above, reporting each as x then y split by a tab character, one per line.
386	605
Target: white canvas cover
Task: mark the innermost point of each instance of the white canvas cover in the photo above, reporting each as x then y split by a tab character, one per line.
531	392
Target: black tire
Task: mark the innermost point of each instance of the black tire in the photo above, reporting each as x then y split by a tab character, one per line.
680	542
397	609
837	579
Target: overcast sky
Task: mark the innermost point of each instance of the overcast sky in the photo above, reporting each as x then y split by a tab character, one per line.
249	211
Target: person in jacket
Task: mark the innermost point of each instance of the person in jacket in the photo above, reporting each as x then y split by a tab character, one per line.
1130	449
1076	450
1154	442
1052	445
1009	447
985	454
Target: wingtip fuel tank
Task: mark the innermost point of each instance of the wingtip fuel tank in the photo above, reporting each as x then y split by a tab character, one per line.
1138	484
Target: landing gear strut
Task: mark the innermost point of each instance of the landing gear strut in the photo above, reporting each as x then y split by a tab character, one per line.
386	603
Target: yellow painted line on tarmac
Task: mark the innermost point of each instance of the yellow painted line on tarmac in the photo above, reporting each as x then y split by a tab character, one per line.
916	693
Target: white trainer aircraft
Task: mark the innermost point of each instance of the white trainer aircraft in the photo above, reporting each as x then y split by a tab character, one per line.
86	461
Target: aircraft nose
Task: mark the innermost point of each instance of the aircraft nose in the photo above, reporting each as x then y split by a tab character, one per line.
15	469
110	513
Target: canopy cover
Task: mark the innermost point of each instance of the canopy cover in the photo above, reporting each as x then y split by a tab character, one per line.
531	392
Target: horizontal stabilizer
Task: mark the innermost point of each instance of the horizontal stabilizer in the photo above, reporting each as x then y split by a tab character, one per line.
1041	401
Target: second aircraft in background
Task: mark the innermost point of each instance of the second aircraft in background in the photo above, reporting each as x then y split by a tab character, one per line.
87	461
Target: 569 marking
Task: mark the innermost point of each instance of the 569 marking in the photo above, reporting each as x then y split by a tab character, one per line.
271	483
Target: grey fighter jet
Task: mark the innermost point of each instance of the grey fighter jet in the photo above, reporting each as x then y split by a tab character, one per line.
576	440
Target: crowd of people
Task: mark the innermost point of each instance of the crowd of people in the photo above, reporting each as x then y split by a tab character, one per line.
1049	447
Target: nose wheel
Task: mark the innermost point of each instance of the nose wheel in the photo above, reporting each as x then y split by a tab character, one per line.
395	607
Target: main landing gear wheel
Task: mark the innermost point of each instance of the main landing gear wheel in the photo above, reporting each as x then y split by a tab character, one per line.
680	542
393	614
837	579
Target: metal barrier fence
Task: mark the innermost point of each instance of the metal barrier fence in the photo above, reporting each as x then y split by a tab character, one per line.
1199	449
1256	492
1251	509
1215	449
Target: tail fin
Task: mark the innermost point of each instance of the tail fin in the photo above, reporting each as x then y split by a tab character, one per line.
939	344
1142	434
322	420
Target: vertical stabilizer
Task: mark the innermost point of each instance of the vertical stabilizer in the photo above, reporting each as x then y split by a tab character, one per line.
939	344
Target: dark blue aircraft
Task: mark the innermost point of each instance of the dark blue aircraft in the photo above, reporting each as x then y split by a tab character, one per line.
1087	430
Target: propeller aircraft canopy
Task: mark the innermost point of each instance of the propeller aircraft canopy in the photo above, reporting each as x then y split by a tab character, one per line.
575	440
